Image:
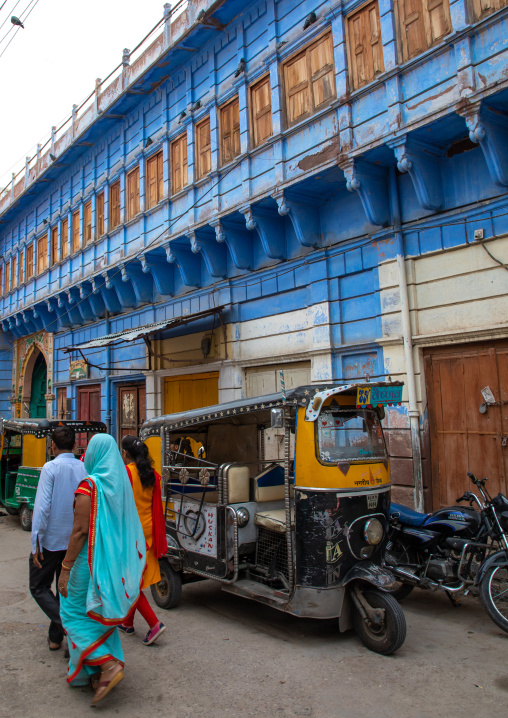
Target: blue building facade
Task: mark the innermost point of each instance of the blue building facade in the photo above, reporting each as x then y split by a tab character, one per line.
316	187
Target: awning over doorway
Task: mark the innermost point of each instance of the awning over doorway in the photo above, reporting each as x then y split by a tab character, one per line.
130	335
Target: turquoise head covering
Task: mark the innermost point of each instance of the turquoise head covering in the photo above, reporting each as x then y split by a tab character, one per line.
116	544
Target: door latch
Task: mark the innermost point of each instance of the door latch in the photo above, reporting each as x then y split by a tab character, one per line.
504	441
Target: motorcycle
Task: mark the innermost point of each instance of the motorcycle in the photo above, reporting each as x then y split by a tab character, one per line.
454	549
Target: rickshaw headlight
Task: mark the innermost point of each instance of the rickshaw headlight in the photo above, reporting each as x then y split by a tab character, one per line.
373	531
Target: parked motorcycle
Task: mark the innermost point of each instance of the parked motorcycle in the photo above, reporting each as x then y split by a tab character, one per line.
454	549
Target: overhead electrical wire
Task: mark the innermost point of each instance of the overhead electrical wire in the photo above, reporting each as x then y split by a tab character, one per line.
18	28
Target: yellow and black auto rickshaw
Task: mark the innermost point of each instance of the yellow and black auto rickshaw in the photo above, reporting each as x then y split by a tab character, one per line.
25	446
304	533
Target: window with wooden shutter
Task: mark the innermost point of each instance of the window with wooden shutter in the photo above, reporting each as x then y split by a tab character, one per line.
203	148
75	231
154	182
133	193
8	277
261	111
87	221
30	261
99	213
114	205
14	282
483	8
1	279
65	238
42	254
54	245
179	174
21	267
230	131
422	24
364	45
309	82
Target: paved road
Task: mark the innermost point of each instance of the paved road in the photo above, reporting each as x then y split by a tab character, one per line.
222	656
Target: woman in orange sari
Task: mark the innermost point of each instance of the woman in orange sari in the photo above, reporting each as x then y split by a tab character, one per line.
146	486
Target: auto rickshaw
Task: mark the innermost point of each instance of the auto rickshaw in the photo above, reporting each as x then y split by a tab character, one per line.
304	533
25	446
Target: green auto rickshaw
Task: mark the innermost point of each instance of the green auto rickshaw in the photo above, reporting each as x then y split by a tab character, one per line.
25	446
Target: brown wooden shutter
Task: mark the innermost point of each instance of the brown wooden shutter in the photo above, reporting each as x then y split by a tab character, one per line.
42	254
160	177
133	193
87	220
14	272
179	175
364	45
8	277
322	71
230	131
438	23
482	8
296	83
114	205
21	267
204	148
99	212
65	238
1	279
54	245
151	181
30	262
75	231
261	111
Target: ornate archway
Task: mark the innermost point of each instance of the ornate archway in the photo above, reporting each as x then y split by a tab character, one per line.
31	355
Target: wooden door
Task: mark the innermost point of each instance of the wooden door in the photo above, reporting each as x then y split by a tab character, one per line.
131	409
462	438
89	409
190	391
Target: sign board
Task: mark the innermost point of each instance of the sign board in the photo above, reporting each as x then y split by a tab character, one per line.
78	370
372	396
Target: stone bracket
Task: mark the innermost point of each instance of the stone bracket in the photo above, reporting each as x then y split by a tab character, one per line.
371	183
123	288
203	241
422	162
304	218
187	262
238	242
270	230
162	273
142	283
489	129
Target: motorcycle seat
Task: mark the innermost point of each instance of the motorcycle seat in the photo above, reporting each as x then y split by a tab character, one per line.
407	515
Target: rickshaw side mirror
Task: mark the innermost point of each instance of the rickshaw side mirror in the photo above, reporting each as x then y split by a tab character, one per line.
277	418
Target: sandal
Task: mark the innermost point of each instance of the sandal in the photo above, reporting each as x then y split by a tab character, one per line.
56	645
102	688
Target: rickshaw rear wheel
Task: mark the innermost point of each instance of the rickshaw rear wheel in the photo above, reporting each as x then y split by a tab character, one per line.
168	592
25	517
388	637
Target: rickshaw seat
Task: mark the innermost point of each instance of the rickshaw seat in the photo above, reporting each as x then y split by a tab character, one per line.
269	484
238	484
274	520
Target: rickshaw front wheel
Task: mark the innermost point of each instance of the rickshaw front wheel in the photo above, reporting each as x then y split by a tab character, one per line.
25	517
168	592
389	636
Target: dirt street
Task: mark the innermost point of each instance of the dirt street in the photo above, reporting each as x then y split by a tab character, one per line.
224	656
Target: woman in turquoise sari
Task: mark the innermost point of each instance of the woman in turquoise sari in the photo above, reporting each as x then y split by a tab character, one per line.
102	570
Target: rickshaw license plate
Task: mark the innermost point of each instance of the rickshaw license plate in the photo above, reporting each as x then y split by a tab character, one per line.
378	396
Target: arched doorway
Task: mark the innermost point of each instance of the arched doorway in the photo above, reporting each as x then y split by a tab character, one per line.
38	388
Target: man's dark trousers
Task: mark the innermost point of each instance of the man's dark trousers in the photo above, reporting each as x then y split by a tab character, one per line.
40	588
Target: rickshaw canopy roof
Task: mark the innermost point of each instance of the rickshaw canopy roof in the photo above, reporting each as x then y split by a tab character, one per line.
301	395
44	427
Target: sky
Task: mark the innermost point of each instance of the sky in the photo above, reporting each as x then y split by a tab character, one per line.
53	63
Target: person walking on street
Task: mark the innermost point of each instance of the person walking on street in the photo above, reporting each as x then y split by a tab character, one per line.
52	525
146	485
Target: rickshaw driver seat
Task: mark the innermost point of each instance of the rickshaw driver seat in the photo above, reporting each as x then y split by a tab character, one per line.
274	520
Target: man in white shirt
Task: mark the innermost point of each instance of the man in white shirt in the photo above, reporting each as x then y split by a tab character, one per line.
52	525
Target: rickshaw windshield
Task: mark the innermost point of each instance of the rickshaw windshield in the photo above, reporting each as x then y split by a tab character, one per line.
349	435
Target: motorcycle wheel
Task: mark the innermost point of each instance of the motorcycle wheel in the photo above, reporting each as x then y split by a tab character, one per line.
168	592
402	554
494	595
389	637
